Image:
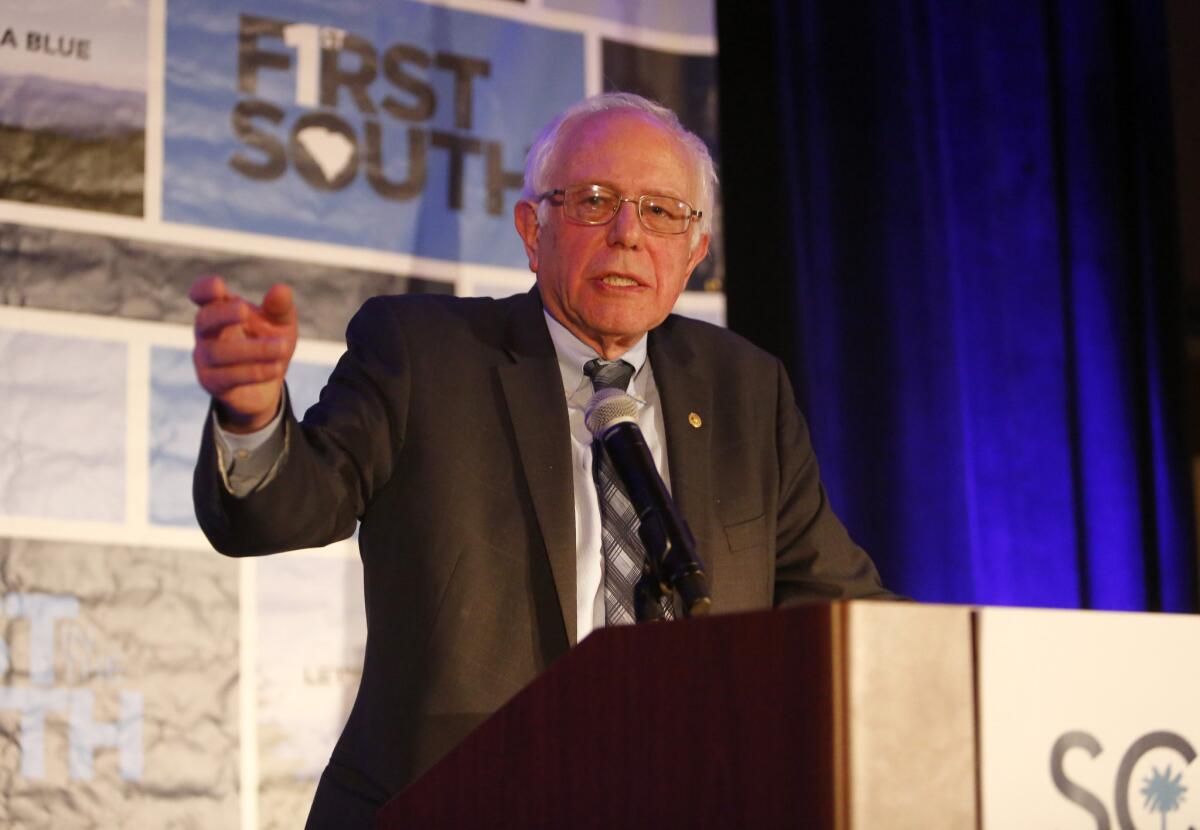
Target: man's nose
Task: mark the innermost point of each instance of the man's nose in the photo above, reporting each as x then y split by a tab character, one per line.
625	228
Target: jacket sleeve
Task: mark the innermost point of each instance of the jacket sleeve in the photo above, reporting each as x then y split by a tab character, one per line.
334	460
815	557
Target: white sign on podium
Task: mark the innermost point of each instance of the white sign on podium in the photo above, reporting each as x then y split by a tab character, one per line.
1088	719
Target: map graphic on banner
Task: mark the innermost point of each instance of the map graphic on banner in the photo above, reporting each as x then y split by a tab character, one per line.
73	103
398	126
139	720
306	684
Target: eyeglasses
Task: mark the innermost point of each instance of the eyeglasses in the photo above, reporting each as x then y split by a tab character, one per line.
592	204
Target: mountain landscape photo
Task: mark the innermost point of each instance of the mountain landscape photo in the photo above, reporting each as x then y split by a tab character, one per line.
72	144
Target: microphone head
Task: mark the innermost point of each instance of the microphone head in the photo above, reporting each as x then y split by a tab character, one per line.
606	409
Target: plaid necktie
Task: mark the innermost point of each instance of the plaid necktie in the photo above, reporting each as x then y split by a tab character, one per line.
619	541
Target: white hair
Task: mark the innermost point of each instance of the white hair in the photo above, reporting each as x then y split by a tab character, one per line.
545	146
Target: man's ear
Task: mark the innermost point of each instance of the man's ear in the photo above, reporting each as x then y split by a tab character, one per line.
698	253
526	220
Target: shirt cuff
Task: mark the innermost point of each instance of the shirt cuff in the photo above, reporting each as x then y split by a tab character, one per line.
242	443
248	461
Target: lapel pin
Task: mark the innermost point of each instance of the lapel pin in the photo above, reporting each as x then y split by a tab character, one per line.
694	420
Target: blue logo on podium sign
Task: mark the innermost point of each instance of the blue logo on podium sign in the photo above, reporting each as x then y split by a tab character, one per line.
1164	793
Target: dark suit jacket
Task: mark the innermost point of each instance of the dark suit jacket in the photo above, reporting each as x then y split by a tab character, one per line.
444	430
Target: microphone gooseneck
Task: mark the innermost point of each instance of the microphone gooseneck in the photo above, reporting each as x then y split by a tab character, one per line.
671	564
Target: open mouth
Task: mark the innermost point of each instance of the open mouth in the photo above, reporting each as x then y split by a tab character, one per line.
618	281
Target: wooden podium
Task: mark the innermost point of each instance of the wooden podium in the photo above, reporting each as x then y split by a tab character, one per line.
830	716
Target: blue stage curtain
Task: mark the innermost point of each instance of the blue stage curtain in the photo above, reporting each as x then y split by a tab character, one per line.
956	222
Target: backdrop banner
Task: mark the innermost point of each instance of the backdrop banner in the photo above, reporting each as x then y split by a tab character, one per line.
347	148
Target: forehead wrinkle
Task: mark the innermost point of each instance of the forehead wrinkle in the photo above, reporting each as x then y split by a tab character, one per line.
570	148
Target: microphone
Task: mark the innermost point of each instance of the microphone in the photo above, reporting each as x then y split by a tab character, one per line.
671	561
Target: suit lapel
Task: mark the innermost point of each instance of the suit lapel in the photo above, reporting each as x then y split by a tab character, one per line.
686	393
532	387
533	390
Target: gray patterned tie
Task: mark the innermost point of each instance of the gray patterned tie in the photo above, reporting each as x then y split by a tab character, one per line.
619	541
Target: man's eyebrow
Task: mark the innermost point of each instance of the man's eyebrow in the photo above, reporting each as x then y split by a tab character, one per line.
660	191
597	182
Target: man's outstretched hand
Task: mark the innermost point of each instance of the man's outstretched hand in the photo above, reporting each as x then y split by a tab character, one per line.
243	351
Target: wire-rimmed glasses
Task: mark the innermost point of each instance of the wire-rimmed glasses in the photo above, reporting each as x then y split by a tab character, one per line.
594	204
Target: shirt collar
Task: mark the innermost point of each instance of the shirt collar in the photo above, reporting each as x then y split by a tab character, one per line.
573	353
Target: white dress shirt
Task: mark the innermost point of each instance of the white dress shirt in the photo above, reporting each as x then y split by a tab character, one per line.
577	387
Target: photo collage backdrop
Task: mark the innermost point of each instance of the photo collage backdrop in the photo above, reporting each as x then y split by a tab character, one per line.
348	148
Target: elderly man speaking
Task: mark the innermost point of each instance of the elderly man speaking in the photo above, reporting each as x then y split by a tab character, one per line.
453	430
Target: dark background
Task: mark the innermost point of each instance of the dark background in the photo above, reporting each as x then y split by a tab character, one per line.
970	231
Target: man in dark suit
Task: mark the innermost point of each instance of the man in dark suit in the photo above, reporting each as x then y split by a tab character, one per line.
452	430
